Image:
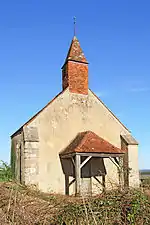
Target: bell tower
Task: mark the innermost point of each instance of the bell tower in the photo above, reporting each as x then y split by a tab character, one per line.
75	70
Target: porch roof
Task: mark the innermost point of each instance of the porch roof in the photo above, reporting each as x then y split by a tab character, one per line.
89	142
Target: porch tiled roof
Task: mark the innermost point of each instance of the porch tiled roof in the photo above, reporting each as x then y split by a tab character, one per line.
89	142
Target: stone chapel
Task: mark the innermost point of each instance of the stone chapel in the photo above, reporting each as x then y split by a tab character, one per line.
75	144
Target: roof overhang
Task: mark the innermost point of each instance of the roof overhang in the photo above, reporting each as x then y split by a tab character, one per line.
129	139
89	144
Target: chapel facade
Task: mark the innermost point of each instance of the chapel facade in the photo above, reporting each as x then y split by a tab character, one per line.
75	144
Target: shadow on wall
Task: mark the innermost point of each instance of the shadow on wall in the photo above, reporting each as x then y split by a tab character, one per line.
93	168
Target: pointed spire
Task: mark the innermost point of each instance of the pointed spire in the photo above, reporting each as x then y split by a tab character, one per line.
75	52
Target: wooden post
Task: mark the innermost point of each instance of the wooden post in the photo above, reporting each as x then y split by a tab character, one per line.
103	182
77	174
66	184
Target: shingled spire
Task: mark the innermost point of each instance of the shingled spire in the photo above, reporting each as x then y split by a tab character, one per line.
75	69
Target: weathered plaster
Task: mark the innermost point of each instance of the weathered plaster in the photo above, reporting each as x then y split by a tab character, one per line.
56	126
134	180
60	122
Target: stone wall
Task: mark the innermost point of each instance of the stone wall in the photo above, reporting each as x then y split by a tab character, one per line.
31	155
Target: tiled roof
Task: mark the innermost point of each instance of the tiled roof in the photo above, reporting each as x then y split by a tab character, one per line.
89	142
75	52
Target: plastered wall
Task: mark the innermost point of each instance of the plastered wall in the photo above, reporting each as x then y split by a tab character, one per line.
57	126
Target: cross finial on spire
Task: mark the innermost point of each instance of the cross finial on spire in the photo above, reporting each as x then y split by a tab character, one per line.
74	21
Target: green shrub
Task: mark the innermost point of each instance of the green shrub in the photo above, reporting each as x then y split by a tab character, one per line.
112	208
5	171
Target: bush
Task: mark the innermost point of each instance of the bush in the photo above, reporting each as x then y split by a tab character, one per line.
145	183
113	208
5	171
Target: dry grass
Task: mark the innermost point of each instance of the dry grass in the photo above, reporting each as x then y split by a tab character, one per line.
21	205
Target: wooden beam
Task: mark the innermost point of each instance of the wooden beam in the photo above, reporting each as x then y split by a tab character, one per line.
98	180
72	182
67	155
101	155
85	161
73	161
114	162
103	181
77	174
119	165
67	184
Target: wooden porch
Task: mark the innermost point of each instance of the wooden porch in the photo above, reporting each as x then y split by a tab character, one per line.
85	147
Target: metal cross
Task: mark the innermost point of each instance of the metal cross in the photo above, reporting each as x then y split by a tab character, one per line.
74	21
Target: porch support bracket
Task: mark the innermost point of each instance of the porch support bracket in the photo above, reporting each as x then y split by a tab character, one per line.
72	182
114	162
85	161
73	161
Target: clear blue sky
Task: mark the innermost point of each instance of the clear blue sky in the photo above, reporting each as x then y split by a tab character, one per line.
34	39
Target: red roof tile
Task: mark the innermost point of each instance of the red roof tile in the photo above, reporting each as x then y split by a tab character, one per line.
89	142
75	52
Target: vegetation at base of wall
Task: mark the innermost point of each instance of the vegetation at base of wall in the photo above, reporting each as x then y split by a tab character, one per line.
145	183
23	205
5	171
112	208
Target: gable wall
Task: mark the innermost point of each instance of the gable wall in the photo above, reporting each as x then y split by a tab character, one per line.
60	122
